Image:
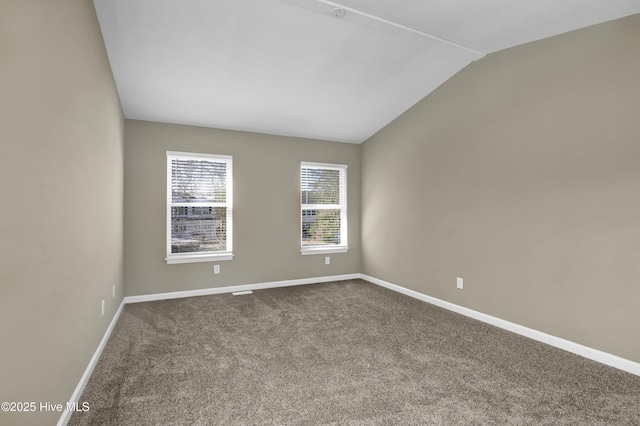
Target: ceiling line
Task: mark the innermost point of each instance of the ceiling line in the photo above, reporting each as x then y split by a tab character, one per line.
305	3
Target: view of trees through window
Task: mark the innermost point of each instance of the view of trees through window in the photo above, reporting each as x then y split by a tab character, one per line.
198	229
321	202
198	205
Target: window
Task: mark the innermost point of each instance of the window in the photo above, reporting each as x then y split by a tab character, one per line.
323	189
199	207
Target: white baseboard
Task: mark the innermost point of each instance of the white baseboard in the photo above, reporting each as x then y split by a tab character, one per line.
64	419
77	393
576	348
585	351
235	288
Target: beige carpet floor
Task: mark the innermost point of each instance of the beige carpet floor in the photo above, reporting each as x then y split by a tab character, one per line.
342	353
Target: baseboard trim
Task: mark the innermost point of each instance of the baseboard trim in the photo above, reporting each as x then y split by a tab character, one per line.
77	393
578	349
235	288
567	345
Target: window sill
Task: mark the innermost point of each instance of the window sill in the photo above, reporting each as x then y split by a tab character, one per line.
323	250
193	258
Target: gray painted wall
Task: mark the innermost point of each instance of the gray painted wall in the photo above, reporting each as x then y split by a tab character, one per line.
521	175
266	222
61	167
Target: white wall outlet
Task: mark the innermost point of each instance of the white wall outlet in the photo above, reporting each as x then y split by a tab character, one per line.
102	307
327	260
216	269
459	283
113	291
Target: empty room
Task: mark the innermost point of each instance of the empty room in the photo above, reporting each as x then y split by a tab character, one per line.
282	212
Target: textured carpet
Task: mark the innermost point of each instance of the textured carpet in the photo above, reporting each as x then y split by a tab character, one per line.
339	353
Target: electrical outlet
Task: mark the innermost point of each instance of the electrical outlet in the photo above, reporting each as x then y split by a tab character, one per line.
327	260
460	283
216	269
102	307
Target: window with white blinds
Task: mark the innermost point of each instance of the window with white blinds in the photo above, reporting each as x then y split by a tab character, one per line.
323	189
199	207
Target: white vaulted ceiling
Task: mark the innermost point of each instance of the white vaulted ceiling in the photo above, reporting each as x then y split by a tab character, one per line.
289	67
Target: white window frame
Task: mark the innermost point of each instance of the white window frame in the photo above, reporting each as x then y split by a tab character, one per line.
211	256
329	248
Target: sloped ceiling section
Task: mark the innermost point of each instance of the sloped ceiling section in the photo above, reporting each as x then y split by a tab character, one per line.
336	71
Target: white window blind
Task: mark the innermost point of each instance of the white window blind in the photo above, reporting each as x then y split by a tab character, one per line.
199	207
323	189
